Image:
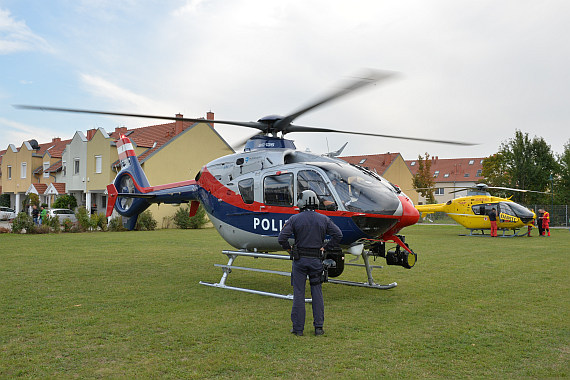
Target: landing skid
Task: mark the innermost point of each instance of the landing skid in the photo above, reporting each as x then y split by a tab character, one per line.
232	255
516	232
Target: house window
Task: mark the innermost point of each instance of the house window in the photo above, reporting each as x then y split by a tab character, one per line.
362	161
479	173
76	166
466	175
24	170
436	173
471	162
481	162
446	175
46	166
412	163
64	168
98	165
9	172
439	191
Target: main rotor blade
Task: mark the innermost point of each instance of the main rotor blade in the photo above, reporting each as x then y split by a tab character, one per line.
369	77
519	190
249	124
300	128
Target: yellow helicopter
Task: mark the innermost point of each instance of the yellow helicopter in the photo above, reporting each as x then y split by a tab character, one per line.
472	211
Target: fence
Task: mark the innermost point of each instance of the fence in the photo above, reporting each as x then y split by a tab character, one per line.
559	215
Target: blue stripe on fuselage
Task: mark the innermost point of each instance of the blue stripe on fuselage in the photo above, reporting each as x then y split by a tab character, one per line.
268	223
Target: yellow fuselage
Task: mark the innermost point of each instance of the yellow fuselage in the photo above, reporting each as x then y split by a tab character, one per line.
462	211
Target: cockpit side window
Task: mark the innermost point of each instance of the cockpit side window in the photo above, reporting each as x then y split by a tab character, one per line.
278	190
246	190
311	180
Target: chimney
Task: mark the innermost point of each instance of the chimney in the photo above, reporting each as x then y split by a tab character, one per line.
178	125
56	139
90	134
120	130
210	116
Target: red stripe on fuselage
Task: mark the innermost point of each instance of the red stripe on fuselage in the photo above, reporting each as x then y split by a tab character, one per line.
218	190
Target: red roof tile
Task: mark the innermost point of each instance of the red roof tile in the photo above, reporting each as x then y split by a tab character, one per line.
378	162
40	187
452	169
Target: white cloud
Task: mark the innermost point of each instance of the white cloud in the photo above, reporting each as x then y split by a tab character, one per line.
16	133
16	36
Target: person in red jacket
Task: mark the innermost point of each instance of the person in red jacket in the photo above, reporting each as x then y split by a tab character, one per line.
493	220
545	222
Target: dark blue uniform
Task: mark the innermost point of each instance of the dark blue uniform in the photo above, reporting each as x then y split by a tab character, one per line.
309	228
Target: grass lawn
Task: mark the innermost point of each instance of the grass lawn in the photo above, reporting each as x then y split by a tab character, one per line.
128	304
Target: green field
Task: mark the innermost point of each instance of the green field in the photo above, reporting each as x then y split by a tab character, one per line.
128	304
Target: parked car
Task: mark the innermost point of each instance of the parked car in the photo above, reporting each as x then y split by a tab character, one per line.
62	213
7	213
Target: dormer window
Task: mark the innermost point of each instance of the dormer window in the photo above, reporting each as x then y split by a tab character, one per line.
436	173
412	163
471	162
446	175
362	161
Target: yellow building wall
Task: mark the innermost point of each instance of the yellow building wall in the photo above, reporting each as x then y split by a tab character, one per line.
99	145
46	158
15	159
181	160
399	174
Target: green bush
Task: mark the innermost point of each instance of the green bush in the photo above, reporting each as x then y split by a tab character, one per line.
53	223
65	201
67	225
5	200
22	221
83	220
146	222
99	221
184	221
116	224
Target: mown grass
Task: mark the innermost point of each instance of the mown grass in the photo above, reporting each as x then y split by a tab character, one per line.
128	304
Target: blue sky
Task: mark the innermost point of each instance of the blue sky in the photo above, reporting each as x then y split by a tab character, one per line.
469	70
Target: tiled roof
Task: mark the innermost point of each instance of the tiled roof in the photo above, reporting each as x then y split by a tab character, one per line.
55	167
378	162
40	187
146	137
55	148
60	187
452	169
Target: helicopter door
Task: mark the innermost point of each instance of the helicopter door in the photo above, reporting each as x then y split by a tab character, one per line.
311	180
505	213
278	190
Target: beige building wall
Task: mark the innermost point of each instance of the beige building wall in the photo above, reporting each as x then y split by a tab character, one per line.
399	174
100	146
181	160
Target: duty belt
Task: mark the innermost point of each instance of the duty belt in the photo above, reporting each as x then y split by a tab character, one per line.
310	252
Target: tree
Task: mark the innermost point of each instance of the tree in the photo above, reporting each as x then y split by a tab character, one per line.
522	163
65	201
423	180
562	184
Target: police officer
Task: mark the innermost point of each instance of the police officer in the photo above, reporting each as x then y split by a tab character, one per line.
309	228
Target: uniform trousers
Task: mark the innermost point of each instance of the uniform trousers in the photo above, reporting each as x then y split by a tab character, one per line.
306	266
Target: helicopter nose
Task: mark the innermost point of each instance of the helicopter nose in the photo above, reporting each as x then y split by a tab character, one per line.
409	213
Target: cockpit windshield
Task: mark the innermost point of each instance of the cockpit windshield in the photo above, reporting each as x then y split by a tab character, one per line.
360	191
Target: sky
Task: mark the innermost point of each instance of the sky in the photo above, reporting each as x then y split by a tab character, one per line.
473	71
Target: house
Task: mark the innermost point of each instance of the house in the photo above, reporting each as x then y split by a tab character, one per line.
84	165
26	166
390	166
451	172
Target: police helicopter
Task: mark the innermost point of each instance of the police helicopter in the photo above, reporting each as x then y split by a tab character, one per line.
472	211
249	195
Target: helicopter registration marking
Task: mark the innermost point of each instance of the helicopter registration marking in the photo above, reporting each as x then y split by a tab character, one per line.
268	224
